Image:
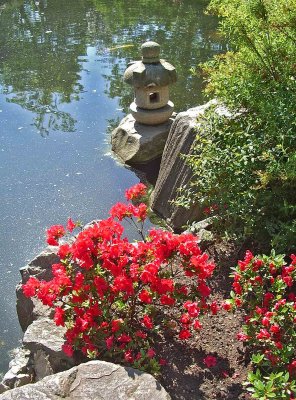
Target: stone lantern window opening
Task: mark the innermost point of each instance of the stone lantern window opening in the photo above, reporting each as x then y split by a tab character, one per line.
154	97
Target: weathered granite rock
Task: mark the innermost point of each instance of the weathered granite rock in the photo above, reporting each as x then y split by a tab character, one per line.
44	339
136	143
96	380
20	370
28	310
174	173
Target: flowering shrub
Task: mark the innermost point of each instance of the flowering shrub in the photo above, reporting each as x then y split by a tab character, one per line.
248	161
113	296
264	287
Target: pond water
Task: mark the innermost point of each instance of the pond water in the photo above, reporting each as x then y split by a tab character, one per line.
61	92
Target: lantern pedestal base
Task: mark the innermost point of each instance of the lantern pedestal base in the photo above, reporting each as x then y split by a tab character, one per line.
152	117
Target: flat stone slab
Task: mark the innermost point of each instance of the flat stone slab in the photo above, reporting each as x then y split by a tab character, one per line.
95	380
136	143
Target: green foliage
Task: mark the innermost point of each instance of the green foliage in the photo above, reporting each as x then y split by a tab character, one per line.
262	34
270	386
246	165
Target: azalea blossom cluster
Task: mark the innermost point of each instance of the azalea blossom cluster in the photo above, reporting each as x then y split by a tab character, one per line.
114	296
264	287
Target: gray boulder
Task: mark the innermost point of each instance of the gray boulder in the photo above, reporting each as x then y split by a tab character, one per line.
44	339
20	370
135	143
28	310
95	380
174	172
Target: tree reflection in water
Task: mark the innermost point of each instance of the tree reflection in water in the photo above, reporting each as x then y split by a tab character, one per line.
39	59
41	44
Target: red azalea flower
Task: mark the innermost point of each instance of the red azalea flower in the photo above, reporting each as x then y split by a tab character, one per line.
263	334
167	300
275	328
68	350
163	286
227	306
214	307
267	298
197	325
204	290
120	211
54	233
101	286
207	210
279	303
210	361
124	338
184	334
145	297
64	251
141	334
136	191
116	324
123	284
185	319
147	321
237	288
109	342
192	308
128	356
257	264
265	321
242	337
140	212
30	287
59	316
279	345
150	353
288	280
292	368
70	225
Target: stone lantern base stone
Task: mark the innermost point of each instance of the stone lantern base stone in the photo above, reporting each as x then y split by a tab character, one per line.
153	116
136	143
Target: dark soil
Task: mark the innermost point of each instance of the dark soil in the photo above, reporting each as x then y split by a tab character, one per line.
185	376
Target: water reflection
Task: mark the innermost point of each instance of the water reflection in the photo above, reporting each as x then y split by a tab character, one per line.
39	61
41	43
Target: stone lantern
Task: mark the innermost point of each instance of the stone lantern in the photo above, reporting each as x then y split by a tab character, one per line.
151	78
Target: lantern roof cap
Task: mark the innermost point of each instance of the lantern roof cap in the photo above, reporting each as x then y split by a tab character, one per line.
151	70
150	52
